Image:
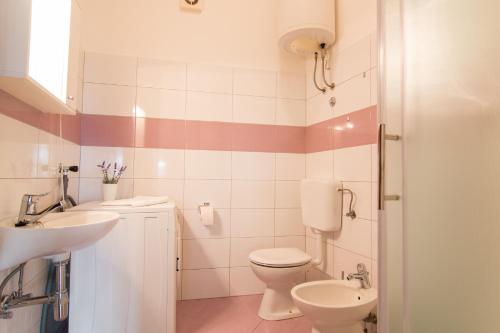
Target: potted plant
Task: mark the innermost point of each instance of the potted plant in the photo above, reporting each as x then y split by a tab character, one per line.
110	179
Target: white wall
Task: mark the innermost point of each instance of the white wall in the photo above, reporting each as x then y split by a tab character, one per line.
354	20
354	71
28	164
236	33
255	193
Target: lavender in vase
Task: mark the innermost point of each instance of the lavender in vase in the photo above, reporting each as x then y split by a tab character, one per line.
110	178
116	174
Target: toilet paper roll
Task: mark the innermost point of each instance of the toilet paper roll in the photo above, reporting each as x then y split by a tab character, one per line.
207	215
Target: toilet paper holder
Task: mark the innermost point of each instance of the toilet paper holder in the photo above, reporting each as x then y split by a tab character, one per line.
204	204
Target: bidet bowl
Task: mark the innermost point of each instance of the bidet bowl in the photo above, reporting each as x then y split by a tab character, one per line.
334	306
55	234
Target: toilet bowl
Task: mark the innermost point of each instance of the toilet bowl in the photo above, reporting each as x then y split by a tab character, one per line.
280	269
334	306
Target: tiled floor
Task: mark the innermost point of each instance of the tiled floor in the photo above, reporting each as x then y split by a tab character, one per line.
232	315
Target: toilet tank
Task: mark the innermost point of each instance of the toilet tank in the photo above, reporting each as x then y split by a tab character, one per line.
321	204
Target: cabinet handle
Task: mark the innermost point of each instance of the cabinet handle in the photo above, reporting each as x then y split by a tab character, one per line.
382	137
71	98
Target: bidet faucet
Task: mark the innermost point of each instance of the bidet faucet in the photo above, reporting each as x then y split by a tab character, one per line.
362	276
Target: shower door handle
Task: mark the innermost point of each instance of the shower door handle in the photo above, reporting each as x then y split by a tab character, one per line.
382	137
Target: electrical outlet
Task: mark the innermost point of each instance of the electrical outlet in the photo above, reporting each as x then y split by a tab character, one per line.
194	5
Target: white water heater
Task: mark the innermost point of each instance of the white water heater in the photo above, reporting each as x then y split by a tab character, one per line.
303	25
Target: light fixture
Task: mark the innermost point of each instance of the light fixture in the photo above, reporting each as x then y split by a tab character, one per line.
193	5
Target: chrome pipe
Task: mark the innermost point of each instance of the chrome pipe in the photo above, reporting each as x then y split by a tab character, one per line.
329	85
351	212
61	298
20	303
323	90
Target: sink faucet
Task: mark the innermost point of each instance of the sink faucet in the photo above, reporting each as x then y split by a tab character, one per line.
29	213
361	275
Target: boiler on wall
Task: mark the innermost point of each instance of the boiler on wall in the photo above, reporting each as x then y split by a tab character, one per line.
304	29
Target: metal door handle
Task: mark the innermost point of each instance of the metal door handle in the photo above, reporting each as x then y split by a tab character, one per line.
382	137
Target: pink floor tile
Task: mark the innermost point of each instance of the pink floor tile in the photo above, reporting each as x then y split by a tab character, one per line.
232	314
295	325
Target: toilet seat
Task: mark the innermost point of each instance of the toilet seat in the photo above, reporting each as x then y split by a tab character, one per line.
280	257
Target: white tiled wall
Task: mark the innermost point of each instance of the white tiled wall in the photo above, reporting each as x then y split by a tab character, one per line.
29	164
255	194
254	208
124	86
354	72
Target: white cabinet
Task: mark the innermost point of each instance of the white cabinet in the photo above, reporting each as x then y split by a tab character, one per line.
74	91
41	59
126	282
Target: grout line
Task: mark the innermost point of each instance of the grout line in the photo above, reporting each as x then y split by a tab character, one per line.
231	187
135	124
276	89
255	328
353	252
183	182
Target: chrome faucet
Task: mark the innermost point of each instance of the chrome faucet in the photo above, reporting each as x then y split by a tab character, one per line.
29	213
362	276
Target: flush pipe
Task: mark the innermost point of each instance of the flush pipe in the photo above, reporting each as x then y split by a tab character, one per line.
318	239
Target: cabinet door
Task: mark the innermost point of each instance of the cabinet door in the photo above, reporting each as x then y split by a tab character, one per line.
118	277
75	59
49	45
155	295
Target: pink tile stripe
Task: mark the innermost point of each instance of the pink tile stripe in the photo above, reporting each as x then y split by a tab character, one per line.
48	122
349	130
291	139
353	129
160	133
110	131
71	128
208	135
17	109
252	137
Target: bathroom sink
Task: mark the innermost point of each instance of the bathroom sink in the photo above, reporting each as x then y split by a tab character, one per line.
335	305
54	234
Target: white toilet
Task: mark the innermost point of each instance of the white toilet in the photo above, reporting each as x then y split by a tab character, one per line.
283	268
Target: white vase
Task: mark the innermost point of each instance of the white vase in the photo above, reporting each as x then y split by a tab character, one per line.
109	192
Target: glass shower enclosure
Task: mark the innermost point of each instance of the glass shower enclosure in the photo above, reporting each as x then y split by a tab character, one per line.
439	90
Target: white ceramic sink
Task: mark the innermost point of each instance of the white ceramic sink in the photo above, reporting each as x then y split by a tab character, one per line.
56	234
335	306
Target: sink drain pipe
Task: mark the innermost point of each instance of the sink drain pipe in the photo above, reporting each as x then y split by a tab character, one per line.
370	320
61	298
17	299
